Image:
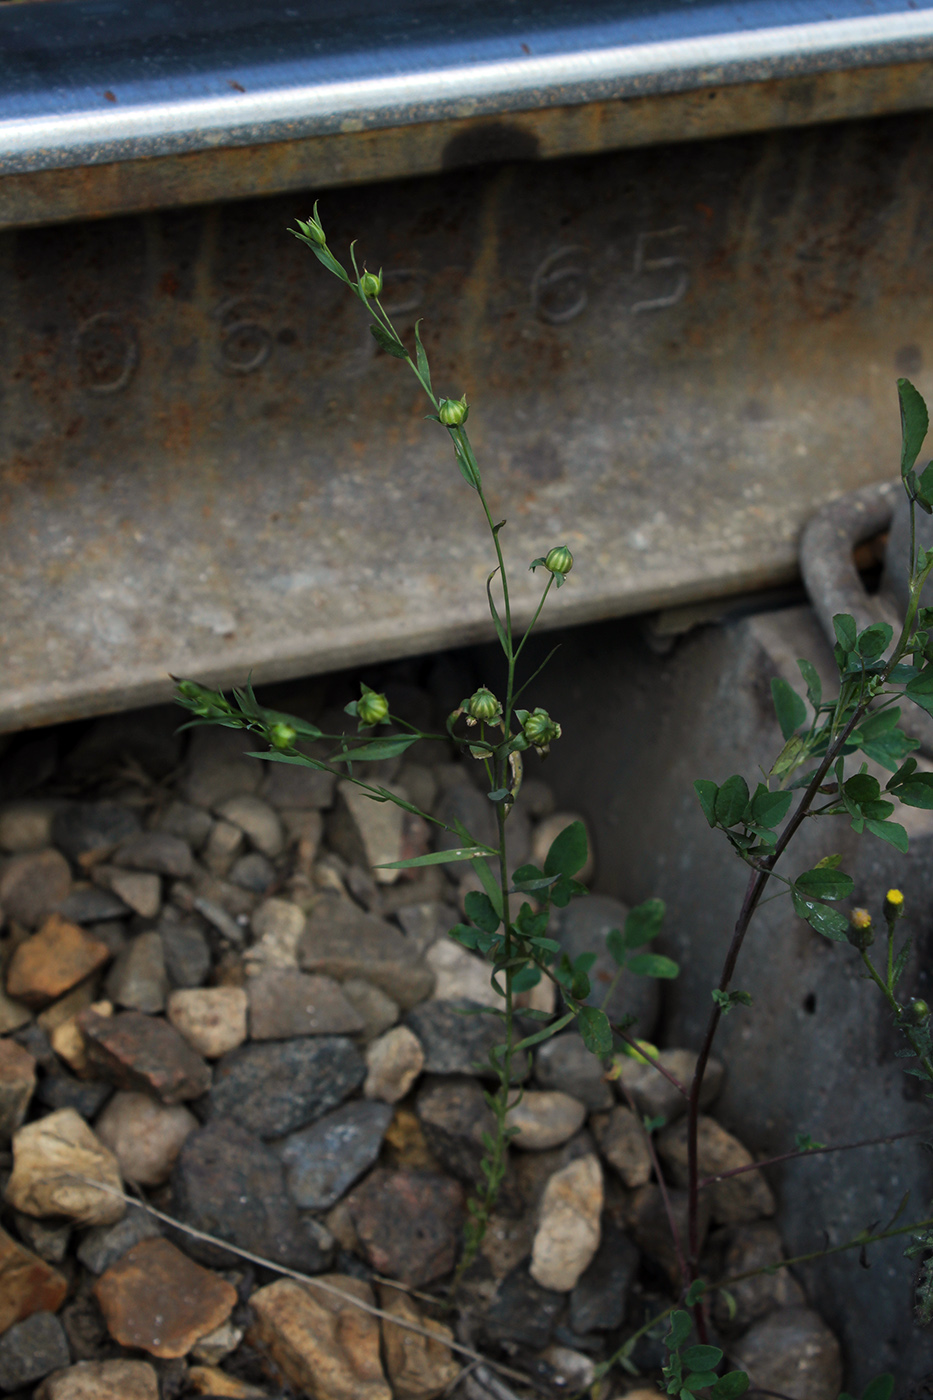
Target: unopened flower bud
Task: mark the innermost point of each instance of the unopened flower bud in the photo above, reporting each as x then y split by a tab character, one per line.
918	1012
371	283
863	936
281	735
453	412
312	229
559	560
893	904
371	708
539	729
484	705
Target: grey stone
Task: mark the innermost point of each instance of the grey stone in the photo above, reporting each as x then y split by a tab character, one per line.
254	872
33	884
624	1145
792	1351
599	1298
284	1003
186	950
366	833
754	1247
565	1063
342	941
105	1244
229	1184
80	827
30	1350
545	1118
582	928
376	1010
218	766
157	851
60	1090
138	979
224	844
141	890
323	1161
465	804
91	905
657	1097
49	1240
190	824
457	1038
409	1222
26	826
256	819
522	1311
278	1087
454	1116
286	785
425	923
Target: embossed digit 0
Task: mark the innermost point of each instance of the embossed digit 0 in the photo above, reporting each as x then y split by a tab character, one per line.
642	264
245	343
107	352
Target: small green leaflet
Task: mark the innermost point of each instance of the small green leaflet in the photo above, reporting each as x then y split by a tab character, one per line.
727	1000
914	423
701	1358
790	709
730	1386
479	910
568	851
824	883
731	801
845	630
436	858
681	1325
707	791
652	965
892	832
770	808
829	922
595	1030
813	683
643	922
387	342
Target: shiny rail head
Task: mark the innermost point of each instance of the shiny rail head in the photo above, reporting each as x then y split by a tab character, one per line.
90	82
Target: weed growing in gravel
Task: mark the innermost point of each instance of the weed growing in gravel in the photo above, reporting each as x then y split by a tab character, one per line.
817	774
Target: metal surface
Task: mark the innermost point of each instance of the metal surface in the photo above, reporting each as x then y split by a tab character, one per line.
675	355
106	108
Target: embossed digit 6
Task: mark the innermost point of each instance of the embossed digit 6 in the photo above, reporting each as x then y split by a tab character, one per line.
558	287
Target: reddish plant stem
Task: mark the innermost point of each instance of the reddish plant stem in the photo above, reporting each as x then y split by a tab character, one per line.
757	883
665	1073
810	1152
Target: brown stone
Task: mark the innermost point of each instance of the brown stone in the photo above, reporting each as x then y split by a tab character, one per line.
159	1300
56	1160
408	1223
101	1380
756	1246
324	1345
144	1136
651	1230
341	940
144	1053
210	1380
211	1019
792	1352
27	1283
736	1200
284	1002
33	884
53	961
622	1142
419	1368
68	1042
17	1083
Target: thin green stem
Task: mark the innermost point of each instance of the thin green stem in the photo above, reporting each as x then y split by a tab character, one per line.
530	628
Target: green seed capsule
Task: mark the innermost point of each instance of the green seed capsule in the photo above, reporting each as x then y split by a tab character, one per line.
371	708
559	560
918	1012
281	735
539	729
453	412
371	283
483	705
